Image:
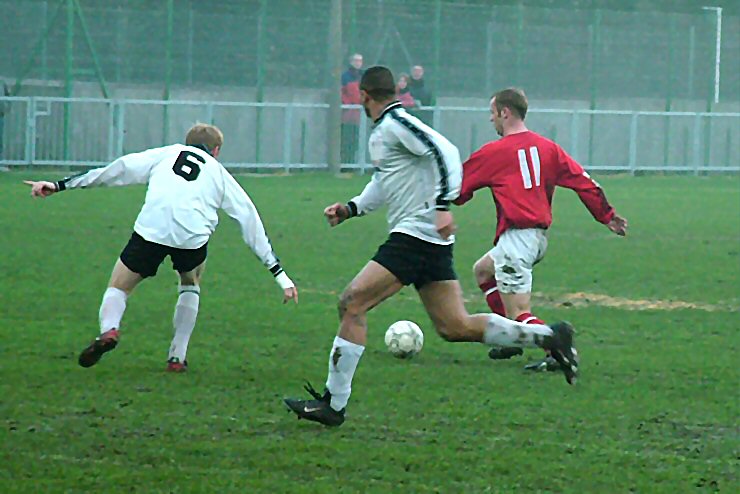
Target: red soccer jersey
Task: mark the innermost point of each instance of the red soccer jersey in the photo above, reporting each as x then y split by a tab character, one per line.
522	171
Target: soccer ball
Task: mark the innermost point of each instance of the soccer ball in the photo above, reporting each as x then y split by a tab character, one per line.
404	339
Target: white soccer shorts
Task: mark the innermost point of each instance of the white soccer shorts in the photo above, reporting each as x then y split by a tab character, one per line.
514	256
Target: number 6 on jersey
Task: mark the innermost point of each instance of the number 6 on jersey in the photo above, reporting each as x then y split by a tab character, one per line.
187	165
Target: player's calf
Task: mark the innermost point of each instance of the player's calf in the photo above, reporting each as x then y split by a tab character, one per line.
457	329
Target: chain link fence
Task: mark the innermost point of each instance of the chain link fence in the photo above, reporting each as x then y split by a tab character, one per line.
467	47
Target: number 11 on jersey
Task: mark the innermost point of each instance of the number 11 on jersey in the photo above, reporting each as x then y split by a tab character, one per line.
524	166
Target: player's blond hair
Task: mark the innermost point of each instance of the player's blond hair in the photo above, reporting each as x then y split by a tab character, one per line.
206	135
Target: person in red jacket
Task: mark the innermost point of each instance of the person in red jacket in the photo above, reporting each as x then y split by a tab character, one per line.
351	117
403	92
522	169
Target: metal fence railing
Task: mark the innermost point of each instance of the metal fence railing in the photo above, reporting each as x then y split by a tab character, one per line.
289	136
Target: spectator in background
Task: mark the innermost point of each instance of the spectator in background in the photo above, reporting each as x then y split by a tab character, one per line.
351	118
4	108
420	93
403	92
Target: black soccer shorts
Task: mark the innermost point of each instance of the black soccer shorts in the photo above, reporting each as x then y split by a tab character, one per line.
414	261
144	257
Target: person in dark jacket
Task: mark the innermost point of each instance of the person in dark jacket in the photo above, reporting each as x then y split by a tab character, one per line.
421	94
416	85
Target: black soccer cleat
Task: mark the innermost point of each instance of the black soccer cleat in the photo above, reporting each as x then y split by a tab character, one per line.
100	345
504	353
317	410
561	349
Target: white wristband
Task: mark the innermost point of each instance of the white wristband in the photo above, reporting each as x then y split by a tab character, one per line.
284	282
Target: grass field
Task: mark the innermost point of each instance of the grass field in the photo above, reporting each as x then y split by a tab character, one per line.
656	408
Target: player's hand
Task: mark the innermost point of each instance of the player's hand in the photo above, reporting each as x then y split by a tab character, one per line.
445	224
618	225
41	188
290	294
336	213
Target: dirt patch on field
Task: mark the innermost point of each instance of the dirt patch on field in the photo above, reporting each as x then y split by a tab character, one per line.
584	299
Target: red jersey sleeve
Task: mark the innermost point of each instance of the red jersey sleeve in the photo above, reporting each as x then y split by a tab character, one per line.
475	176
571	175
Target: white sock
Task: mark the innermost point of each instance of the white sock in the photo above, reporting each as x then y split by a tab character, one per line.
111	309
186	311
501	331
343	361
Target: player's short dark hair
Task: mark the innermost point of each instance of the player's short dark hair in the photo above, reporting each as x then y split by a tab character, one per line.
378	83
512	98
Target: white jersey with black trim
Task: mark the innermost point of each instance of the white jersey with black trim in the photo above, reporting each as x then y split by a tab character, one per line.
186	188
417	172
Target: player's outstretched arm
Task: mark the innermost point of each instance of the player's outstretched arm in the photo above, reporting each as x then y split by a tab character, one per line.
618	225
475	174
369	200
237	204
41	188
130	169
571	175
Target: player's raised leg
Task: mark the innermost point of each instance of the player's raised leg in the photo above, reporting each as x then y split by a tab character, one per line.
485	277
186	313
444	304
122	283
368	289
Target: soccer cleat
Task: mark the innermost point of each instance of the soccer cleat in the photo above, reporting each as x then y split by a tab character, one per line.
548	364
504	353
561	349
100	345
317	410
174	365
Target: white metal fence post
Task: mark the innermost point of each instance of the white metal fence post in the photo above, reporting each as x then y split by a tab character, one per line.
633	143
697	143
30	130
287	142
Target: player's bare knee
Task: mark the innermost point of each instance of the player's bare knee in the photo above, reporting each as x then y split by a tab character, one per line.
348	304
482	271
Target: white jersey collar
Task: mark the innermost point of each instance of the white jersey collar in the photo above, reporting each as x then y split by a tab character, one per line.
393	106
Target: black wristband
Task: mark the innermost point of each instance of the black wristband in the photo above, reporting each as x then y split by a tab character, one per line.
352	207
442	205
60	185
276	269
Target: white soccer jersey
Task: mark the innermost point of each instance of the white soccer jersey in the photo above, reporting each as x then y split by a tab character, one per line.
186	188
417	171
